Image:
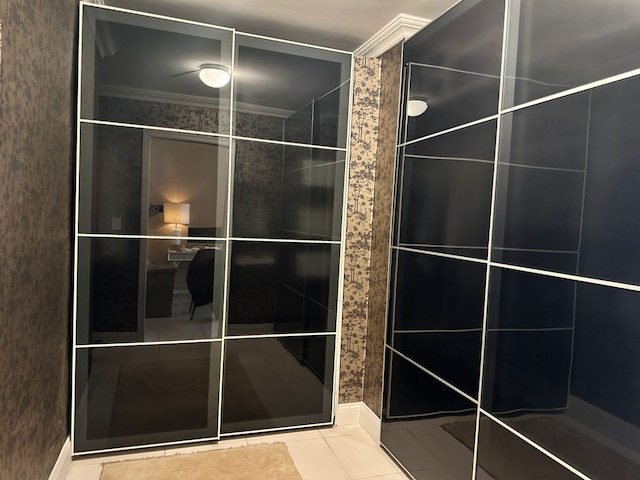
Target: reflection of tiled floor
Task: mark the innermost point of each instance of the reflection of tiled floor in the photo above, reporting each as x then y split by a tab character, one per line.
338	453
178	326
429	451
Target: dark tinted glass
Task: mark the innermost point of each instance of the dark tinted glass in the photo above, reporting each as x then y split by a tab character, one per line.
611	222
143	70
298	127
454	65
278	86
132	290
436	293
144	395
446	192
128	176
504	456
560	45
556	208
438	316
277	382
419	413
284	191
541	184
277	287
555	351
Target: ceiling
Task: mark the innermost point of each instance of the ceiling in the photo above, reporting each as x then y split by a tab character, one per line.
340	24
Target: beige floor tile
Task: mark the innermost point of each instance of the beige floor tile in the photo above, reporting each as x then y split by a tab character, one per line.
207	447
138	455
393	476
285	437
361	456
84	472
341	430
315	460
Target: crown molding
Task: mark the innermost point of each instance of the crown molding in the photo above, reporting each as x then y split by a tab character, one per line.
131	93
397	30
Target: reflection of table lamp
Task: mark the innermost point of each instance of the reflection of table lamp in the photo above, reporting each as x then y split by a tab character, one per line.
177	213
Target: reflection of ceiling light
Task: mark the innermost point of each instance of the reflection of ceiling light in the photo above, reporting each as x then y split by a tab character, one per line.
416	107
214	75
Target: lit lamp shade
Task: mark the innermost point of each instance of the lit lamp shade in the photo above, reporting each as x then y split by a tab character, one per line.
177	213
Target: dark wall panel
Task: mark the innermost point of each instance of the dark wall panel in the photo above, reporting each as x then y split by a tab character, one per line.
36	137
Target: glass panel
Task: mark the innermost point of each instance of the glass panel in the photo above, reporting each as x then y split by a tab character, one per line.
143	70
504	456
541	185
283	191
298	127
419	413
555	207
132	290
446	192
141	395
300	367
129	175
611	225
275	84
555	352
330	118
283	288
454	66
559	45
321	121
438	316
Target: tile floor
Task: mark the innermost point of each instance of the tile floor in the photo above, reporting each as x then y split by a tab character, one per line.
338	453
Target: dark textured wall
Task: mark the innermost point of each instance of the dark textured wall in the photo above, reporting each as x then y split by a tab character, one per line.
36	138
390	75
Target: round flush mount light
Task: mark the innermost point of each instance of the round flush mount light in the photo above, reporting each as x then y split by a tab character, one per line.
416	107
214	75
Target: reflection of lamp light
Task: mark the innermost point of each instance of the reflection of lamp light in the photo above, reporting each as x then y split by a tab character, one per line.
416	107
214	75
177	213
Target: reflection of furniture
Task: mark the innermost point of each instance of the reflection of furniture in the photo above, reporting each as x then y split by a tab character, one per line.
181	256
159	296
200	279
202	232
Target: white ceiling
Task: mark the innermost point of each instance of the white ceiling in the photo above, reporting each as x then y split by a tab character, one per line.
341	24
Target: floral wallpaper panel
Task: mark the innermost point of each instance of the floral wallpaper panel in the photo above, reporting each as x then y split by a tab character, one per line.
364	135
391	72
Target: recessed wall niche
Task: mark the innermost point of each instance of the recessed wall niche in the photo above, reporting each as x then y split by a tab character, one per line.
186	196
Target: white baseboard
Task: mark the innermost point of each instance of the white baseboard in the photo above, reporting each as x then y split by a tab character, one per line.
359	413
63	463
348	413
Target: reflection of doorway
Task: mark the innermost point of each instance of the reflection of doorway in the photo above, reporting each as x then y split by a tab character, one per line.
177	168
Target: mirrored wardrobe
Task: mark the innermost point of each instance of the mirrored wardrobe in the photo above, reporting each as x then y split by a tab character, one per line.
512	340
210	185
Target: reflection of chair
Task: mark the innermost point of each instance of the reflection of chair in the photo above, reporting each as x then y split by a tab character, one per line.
200	279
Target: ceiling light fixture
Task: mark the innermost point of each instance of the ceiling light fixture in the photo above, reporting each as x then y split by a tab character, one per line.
416	107
214	75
